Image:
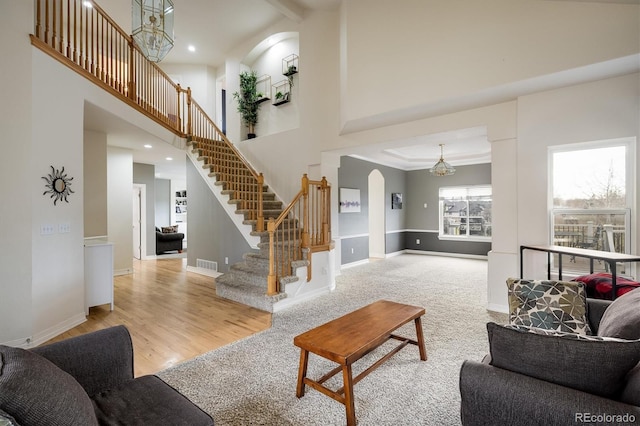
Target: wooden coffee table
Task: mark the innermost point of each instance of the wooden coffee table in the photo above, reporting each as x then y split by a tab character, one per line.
350	337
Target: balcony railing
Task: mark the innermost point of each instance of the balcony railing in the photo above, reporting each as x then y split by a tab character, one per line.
82	36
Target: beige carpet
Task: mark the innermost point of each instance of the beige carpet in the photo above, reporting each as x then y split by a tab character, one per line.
253	381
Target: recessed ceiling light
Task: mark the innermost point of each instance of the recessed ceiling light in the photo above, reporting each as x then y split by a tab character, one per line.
146	145
169	159
191	48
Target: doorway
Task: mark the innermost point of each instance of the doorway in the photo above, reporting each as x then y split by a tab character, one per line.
376	215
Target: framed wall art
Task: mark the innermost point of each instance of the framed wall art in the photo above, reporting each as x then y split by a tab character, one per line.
396	200
349	200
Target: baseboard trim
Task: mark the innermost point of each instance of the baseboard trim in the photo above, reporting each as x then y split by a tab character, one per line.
125	271
287	302
498	308
203	271
447	254
56	330
356	263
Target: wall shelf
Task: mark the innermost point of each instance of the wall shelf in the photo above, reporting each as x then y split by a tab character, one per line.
282	90
290	65
263	88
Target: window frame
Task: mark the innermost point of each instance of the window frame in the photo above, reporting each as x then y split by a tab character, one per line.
629	143
441	215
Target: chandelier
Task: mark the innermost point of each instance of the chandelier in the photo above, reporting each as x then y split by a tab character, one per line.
442	168
152	22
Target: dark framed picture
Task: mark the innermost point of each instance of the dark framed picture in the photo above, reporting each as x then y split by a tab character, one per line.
396	200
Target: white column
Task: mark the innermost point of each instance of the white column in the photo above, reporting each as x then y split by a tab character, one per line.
503	257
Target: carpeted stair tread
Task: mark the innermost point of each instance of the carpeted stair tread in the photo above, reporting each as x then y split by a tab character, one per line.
246	294
246	282
248	278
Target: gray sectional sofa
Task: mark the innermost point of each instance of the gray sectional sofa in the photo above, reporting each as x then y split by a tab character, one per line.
87	380
545	380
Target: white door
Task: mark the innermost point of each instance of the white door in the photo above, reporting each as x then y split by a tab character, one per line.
137	238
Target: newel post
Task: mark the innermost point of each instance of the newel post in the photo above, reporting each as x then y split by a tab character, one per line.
272	279
326	211
305	213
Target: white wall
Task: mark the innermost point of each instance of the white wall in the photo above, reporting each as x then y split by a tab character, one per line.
120	207
95	184
17	152
201	80
412	53
58	139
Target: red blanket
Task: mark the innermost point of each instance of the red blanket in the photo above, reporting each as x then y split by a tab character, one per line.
599	285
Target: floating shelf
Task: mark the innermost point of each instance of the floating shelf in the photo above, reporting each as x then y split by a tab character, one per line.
263	88
290	65
282	90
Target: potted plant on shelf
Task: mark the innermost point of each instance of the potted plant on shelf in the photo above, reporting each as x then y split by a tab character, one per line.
281	98
247	99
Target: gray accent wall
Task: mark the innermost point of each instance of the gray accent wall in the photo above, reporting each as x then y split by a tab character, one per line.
354	173
413	227
212	235
145	174
422	223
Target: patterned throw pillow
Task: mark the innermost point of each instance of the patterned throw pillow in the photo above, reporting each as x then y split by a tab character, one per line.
548	304
169	229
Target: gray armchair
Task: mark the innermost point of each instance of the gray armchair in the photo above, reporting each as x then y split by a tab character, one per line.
88	380
497	396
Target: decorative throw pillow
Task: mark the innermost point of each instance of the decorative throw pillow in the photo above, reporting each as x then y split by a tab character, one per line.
596	366
622	317
548	304
35	392
169	229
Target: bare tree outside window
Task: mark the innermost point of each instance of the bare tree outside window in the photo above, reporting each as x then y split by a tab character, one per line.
590	207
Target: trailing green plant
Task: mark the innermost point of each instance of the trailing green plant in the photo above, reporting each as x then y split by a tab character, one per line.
247	99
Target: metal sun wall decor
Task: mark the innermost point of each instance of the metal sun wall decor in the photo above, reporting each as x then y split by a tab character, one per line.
58	185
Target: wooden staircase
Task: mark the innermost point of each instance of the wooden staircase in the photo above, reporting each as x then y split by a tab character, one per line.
78	36
247	281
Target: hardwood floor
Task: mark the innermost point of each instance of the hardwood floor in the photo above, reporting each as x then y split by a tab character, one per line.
172	315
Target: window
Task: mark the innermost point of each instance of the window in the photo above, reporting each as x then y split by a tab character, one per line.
465	213
590	190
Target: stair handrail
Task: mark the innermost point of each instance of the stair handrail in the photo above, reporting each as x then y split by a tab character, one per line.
313	236
195	115
89	42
